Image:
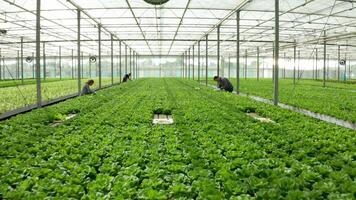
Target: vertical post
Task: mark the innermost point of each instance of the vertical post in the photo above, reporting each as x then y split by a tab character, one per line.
199	61
295	60
99	53
18	65
33	65
120	63
22	76
246	64
338	63
276	54
126	59
78	52
328	67
345	70
38	53
72	64
238	52
206	60
112	59
44	61
229	68
130	58
182	72
316	64
82	66
298	65
324	70
60	63
284	65
1	77
218	52
193	55
189	63
89	66
258	63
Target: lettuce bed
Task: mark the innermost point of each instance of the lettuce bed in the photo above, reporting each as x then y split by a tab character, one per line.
337	99
111	150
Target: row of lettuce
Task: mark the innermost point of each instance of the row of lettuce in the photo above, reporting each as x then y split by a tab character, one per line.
336	99
110	149
14	95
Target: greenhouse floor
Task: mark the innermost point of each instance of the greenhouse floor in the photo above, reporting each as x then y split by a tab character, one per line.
214	149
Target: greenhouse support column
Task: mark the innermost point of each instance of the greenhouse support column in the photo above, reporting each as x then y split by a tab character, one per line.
38	53
338	63
130	59
1	77
229	68
89	67
316	64
99	53
206	59
82	66
258	63
299	75
60	63
245	64
44	61
22	77
238	52
18	65
345	70
112	59
295	60
218	52
78	52
199	61
276	54
33	65
324	70
182	72
72	64
328	67
284	63
125	59
189	63
193	56
120	64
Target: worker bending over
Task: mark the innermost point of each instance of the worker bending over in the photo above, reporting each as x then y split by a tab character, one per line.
224	83
127	77
86	89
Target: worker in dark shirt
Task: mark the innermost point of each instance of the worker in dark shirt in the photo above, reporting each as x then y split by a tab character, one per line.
224	83
86	89
127	77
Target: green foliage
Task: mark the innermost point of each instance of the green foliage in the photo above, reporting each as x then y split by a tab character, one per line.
111	150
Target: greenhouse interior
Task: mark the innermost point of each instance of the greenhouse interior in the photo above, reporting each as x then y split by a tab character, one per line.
178	99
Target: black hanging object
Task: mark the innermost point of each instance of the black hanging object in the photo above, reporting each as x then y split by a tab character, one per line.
92	59
29	59
156	2
342	62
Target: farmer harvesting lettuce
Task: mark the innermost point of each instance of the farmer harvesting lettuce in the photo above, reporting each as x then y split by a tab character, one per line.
86	89
224	83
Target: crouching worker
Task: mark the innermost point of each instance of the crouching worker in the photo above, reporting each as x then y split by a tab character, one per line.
224	83
86	89
127	77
